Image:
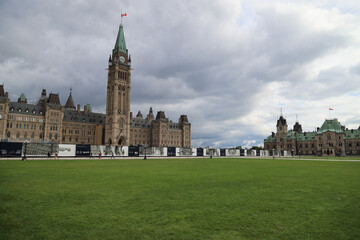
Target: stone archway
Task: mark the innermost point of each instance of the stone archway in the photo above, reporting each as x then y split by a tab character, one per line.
121	141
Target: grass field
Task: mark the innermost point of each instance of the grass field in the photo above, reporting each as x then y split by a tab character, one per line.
179	199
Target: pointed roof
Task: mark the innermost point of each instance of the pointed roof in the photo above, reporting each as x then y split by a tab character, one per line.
54	99
70	102
332	125
2	92
22	98
281	121
88	107
120	45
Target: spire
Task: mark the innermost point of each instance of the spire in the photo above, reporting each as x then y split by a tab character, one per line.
70	102
22	98
120	45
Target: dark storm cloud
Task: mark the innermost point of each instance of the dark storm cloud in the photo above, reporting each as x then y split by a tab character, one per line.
226	64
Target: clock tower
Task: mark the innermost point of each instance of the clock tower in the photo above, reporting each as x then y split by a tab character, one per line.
117	125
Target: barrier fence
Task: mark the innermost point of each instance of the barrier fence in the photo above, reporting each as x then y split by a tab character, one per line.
12	149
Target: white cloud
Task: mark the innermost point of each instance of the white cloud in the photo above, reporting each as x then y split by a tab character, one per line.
228	65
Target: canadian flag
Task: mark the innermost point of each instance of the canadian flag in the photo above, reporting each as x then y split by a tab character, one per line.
331	109
123	15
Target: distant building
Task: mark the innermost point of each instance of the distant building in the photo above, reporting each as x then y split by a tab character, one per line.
331	139
49	121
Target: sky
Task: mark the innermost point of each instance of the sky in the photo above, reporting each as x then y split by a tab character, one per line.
231	66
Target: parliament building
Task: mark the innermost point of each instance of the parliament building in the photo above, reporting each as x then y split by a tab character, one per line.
331	139
49	121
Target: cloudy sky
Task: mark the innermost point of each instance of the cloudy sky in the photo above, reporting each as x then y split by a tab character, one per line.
230	65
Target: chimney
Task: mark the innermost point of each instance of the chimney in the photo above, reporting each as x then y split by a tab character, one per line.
85	110
78	108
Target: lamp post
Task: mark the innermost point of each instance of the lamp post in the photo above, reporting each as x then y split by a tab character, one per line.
25	148
273	153
145	151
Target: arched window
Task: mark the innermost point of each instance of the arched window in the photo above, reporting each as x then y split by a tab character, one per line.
56	136
17	135
8	134
63	138
50	136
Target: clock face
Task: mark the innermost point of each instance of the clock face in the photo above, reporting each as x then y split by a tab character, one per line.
122	59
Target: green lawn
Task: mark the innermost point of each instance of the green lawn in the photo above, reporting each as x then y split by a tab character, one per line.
179	199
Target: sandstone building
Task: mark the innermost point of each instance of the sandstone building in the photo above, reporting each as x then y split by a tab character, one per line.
49	121
331	139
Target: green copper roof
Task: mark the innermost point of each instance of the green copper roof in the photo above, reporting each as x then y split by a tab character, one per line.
270	139
332	125
306	136
352	134
88	107
22	97
290	135
120	45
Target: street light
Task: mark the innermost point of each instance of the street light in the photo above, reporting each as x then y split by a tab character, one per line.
25	148
273	151
145	151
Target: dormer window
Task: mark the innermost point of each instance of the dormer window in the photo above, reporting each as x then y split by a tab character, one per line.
11	109
19	109
27	110
34	111
40	112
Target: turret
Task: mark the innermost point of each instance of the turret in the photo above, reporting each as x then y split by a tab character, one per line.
281	125
150	116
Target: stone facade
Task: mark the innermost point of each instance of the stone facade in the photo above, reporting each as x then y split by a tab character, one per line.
331	139
49	121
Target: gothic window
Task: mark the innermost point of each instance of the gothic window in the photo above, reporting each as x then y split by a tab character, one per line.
8	134
63	138
32	135
329	137
17	135
70	139
76	139
88	140
50	136
56	136
41	136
